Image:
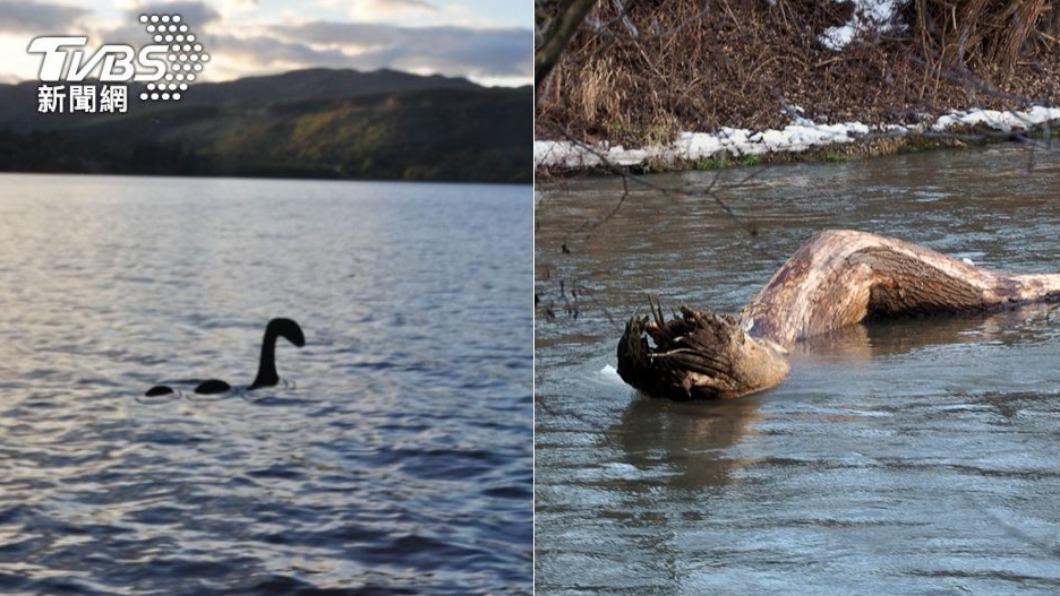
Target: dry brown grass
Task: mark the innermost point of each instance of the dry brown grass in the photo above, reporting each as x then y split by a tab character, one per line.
983	33
737	62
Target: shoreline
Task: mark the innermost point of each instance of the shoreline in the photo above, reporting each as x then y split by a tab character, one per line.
801	140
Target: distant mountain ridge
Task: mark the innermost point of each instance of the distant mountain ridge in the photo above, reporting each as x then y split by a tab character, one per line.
308	123
321	83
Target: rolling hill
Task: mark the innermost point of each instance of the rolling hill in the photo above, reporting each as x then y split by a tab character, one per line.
316	123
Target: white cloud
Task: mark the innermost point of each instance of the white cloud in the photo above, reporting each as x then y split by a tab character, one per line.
38	17
259	44
17	62
448	50
419	12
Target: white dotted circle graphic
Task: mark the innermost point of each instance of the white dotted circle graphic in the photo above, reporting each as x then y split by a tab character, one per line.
143	18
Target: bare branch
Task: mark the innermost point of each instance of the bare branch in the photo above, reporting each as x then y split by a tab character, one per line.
558	35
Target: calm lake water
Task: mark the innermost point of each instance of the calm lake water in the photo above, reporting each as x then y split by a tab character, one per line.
397	454
919	456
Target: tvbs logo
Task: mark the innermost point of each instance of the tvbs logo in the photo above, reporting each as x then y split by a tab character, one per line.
166	67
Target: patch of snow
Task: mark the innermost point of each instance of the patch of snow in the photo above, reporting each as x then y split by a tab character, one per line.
800	135
1004	121
868	15
837	38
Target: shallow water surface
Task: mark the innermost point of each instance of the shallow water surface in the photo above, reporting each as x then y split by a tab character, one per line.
395	456
913	456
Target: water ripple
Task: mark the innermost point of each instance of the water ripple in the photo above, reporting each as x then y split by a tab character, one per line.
396	457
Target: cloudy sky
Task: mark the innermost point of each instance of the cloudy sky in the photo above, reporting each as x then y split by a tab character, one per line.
488	41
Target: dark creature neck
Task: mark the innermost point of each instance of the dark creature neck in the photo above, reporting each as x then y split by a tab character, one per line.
267	376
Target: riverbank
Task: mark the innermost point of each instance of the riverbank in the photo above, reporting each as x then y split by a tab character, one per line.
675	86
801	140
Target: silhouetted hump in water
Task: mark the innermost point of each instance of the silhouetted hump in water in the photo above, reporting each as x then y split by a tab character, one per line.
212	387
267	375
158	390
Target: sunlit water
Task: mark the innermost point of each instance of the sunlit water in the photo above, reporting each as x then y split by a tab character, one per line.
396	456
918	456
